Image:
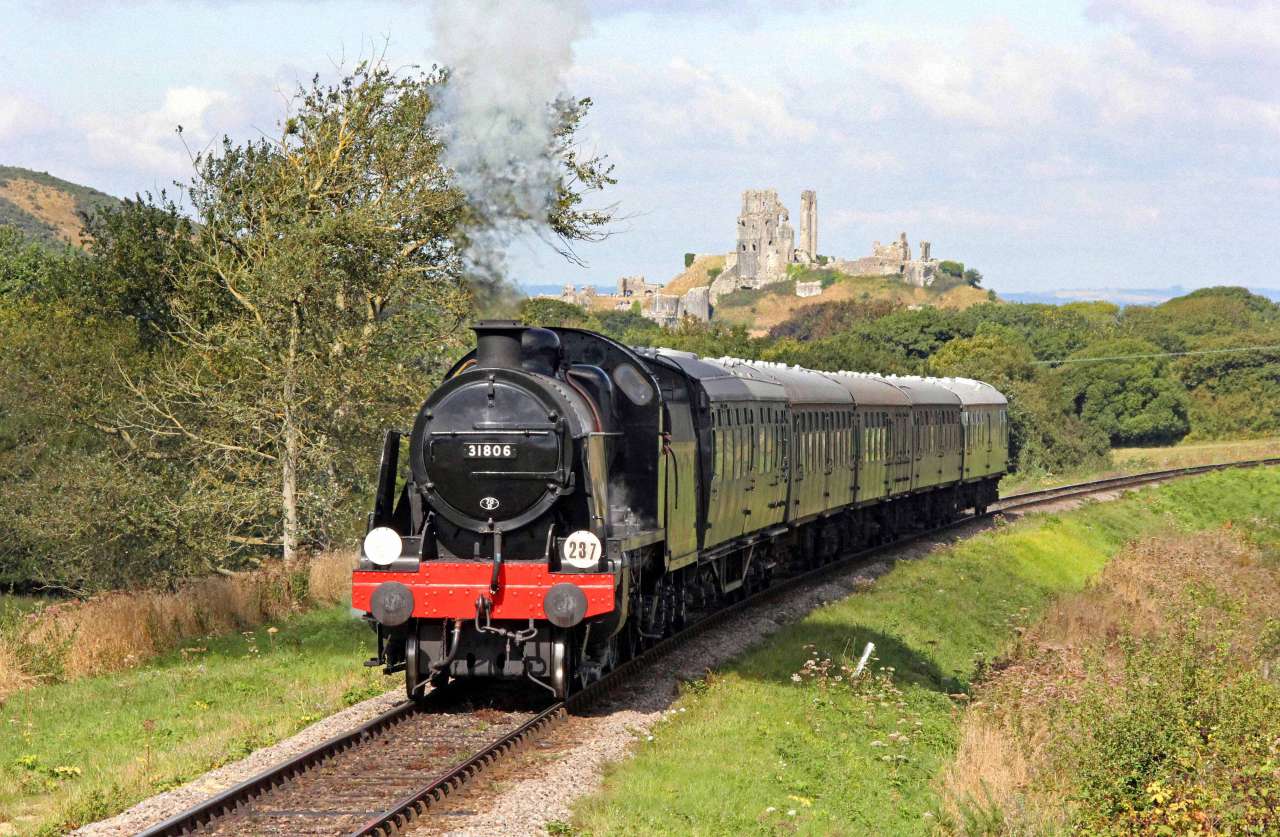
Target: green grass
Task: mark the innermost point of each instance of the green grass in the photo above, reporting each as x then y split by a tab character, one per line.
1136	460
13	605
76	752
755	752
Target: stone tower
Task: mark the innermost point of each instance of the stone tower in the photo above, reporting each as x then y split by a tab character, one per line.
765	237
809	223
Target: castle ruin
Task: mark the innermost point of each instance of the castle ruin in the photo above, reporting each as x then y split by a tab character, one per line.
765	249
664	309
894	259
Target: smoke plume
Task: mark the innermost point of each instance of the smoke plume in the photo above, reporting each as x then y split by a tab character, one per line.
507	62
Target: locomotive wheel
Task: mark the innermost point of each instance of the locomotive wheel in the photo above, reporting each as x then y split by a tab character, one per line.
561	664
414	687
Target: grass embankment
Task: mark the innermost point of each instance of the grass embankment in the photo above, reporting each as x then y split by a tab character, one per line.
780	740
1148	703
75	752
1136	460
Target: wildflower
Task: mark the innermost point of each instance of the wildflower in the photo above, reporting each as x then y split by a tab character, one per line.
791	812
770	809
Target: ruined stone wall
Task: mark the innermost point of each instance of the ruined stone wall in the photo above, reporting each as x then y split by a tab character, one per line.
636	286
765	239
808	288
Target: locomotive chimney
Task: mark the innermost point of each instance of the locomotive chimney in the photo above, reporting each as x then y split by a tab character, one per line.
498	344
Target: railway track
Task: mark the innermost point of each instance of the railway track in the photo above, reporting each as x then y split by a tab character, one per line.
370	782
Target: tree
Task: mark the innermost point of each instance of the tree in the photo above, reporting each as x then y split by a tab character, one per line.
325	291
554	312
973	278
30	269
137	249
1116	387
995	358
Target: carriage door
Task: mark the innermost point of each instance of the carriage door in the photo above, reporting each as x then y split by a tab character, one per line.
679	478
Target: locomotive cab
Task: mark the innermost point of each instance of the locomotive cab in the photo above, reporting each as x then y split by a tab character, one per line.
497	549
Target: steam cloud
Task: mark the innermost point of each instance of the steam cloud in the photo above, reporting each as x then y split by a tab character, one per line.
507	62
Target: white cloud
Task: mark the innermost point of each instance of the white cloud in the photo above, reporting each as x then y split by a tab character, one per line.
149	141
868	159
933	216
995	78
999	79
1207	29
683	101
1244	112
20	117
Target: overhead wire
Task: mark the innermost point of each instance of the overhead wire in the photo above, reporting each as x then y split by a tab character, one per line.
1156	354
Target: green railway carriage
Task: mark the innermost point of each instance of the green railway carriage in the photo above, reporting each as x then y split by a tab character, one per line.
823	450
882	413
936	437
985	423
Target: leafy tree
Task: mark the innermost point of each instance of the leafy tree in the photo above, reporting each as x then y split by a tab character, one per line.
917	333
326	290
1130	397
951	268
995	358
138	250
845	352
554	312
972	278
1046	436
31	269
77	513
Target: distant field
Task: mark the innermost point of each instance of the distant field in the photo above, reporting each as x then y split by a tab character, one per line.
1134	460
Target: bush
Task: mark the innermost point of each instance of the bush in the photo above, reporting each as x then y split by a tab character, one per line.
952	268
688	259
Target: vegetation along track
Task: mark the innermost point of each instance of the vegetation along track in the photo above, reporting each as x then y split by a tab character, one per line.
375	779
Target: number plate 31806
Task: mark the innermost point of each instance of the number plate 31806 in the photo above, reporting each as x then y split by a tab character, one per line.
488	450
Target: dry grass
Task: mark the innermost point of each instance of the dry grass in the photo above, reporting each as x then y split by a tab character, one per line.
771	309
1004	766
120	630
1196	453
695	275
53	206
1138	460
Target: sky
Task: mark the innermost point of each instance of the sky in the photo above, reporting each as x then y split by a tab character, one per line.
1101	144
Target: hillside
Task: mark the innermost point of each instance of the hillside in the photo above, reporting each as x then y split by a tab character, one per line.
44	207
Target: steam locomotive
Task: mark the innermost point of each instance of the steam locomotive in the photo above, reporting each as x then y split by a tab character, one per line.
568	500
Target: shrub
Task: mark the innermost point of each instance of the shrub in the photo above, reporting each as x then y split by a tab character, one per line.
688	259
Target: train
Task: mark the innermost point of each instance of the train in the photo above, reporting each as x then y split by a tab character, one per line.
564	501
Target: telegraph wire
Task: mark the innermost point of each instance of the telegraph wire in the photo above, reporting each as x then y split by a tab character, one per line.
1157	354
